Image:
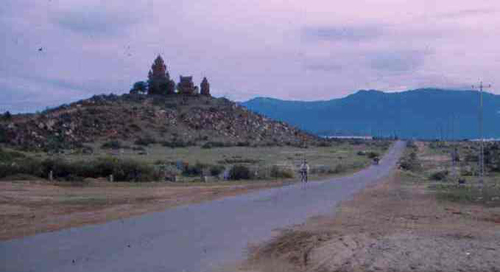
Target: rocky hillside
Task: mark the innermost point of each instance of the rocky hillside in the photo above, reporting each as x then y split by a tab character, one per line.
136	118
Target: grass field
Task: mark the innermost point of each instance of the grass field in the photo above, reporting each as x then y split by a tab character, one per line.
343	157
37	205
442	175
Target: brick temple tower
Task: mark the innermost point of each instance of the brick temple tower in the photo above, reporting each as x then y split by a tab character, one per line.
205	87
159	81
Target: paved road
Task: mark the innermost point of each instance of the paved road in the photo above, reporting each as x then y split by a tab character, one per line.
189	238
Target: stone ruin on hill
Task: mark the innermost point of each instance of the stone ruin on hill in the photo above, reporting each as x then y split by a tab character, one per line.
160	83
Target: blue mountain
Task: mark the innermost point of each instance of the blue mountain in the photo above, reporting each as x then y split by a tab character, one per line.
422	113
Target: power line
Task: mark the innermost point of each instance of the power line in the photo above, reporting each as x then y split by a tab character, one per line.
481	132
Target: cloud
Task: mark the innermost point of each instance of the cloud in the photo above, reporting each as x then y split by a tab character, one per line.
95	21
397	61
323	67
466	13
342	33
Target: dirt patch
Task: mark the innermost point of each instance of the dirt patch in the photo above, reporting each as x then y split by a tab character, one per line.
394	226
31	207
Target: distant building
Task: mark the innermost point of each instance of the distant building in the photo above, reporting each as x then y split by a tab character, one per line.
186	86
159	81
205	87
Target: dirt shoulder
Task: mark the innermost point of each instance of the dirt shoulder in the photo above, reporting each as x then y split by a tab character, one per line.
397	225
31	207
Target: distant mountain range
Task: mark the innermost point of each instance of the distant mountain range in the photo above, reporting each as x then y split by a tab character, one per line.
422	113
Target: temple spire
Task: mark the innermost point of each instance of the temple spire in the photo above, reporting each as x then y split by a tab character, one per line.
205	87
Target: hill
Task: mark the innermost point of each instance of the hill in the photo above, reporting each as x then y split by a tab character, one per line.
174	120
421	113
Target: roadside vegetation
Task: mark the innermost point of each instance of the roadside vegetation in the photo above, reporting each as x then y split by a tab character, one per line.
120	161
150	177
451	170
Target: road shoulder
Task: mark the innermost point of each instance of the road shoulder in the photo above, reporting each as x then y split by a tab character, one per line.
396	225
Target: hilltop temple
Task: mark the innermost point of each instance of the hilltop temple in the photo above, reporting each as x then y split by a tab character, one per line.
159	82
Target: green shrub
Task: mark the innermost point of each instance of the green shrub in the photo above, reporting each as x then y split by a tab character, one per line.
411	163
115	144
122	170
129	170
361	153
472	158
277	172
238	161
9	156
324	144
373	155
55	144
242	144
3	135
7	116
16	177
216	170
239	172
195	170
209	145
441	175
339	168
177	143
145	141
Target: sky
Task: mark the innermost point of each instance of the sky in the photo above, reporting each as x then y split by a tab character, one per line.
59	51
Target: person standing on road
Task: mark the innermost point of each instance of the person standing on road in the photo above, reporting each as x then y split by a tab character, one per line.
304	170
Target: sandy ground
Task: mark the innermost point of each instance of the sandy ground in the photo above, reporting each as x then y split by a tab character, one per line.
31	207
393	226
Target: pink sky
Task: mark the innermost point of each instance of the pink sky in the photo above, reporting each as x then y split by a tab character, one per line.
303	50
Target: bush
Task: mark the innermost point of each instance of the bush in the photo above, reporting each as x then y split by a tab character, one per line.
373	155
324	144
16	177
7	115
441	175
115	144
55	144
196	170
411	163
239	172
216	170
277	172
472	158
129	170
15	164
9	156
122	170
3	135
145	141
177	143
209	145
241	144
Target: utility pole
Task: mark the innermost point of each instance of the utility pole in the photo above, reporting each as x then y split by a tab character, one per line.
481	132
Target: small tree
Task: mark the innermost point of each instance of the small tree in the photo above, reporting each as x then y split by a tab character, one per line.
139	87
3	135
240	172
7	115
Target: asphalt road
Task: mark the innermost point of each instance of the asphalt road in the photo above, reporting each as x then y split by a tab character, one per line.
188	238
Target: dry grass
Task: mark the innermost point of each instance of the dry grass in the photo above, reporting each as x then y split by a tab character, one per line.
27	208
395	226
30	207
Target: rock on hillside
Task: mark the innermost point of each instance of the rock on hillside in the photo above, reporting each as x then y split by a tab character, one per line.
194	119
